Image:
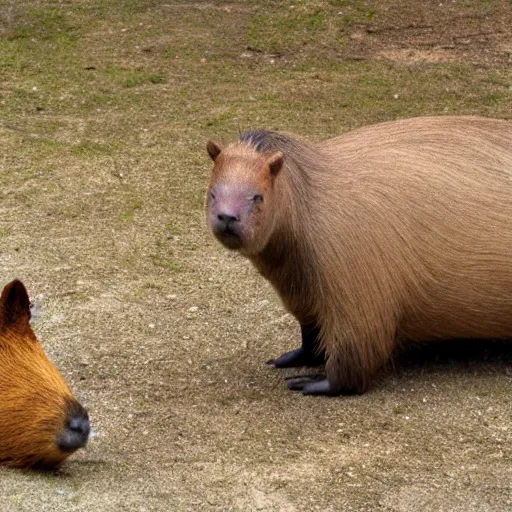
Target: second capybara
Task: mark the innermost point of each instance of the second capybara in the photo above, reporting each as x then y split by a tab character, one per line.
41	423
390	233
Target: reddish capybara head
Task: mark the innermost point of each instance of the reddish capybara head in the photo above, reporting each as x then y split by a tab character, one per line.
240	202
40	422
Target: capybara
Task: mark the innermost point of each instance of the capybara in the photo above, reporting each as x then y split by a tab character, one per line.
40	422
396	232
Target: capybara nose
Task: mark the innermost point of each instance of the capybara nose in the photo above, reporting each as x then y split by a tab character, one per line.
227	218
76	432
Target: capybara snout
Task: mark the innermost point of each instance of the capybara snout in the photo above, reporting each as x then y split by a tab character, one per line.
75	433
41	423
228	214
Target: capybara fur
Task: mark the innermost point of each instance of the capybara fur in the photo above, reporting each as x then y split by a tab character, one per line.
396	232
40	422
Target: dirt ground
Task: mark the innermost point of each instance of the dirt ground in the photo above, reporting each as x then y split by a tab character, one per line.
105	110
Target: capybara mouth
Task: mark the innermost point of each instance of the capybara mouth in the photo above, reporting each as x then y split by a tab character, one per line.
229	238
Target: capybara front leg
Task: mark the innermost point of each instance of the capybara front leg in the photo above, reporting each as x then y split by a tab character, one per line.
309	354
311	385
346	375
317	385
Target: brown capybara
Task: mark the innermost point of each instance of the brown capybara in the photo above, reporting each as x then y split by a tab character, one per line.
393	232
40	422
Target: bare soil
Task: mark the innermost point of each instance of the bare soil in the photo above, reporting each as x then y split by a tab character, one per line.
105	110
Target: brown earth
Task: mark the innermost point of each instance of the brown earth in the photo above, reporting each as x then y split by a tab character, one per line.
105	110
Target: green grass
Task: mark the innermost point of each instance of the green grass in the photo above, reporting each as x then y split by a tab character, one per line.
285	28
164	261
44	24
129	213
297	26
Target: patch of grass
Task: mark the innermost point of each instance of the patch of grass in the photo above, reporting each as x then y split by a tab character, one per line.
354	11
164	261
152	286
293	26
173	266
129	78
143	78
13	62
157	78
285	28
129	213
80	297
90	148
228	114
133	81
45	23
491	98
173	229
402	409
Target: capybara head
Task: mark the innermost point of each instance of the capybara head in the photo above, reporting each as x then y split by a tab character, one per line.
40	422
240	201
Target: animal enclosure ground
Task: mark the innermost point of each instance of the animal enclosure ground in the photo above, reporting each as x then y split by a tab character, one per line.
105	110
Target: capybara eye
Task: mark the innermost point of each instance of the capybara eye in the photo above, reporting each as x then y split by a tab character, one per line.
212	195
257	198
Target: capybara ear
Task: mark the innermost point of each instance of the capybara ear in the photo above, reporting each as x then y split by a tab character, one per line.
214	149
275	162
14	305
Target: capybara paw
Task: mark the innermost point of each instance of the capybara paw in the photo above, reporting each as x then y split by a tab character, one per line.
311	385
297	357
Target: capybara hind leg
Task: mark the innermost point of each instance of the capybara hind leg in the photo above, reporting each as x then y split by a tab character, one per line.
309	354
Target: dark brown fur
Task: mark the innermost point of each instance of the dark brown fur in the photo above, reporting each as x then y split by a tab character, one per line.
393	232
